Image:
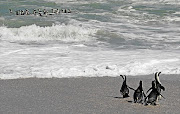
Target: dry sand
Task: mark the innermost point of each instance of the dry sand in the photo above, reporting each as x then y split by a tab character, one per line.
99	95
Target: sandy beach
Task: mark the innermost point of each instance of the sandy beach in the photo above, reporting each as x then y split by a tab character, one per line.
98	95
64	56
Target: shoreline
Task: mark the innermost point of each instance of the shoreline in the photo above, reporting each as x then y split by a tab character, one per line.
84	95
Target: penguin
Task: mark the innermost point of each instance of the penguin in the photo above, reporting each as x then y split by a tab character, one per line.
40	14
139	94
124	88
158	84
27	12
17	12
45	12
57	11
62	10
10	11
34	12
53	10
69	11
39	11
22	12
65	10
153	95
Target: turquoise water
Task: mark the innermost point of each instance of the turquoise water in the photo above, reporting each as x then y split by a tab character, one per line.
130	24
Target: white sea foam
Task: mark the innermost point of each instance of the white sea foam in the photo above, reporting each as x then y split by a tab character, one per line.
67	33
66	61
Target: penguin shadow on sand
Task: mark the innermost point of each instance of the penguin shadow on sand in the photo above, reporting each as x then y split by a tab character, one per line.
118	97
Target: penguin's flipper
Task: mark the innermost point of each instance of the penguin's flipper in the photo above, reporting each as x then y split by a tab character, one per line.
162	87
162	96
131	88
149	90
144	94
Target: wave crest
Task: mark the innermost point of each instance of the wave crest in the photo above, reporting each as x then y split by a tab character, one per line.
67	33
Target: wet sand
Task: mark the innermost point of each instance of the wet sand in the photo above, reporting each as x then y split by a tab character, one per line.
98	95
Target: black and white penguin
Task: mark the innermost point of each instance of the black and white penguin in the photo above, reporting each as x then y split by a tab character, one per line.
18	12
45	12
22	12
69	11
158	84
34	12
10	11
66	10
53	10
57	11
27	12
153	95
124	88
139	94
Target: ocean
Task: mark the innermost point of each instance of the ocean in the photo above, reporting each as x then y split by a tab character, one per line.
97	38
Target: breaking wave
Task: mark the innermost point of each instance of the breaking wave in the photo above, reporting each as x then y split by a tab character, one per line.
66	33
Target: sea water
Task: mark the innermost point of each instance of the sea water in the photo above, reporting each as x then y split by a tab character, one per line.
98	38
